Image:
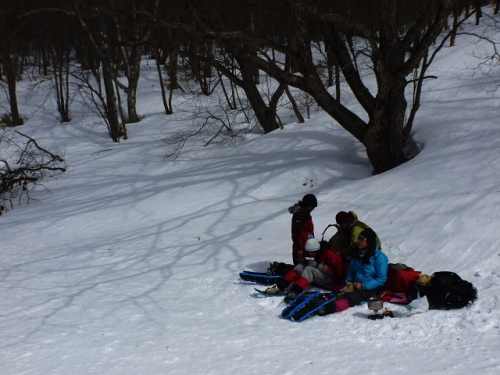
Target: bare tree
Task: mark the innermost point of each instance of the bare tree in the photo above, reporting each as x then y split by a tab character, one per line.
385	39
9	59
9	67
200	53
96	86
29	165
381	49
160	59
217	122
129	29
61	63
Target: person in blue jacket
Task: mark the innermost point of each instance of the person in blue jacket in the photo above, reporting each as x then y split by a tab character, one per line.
366	276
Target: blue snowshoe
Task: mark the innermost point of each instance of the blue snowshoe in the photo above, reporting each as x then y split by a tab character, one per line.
259	277
306	304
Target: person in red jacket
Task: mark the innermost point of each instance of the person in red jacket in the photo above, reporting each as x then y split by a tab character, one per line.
325	269
302	226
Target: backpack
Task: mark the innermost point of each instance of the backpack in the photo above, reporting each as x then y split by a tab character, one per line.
279	269
399	277
447	291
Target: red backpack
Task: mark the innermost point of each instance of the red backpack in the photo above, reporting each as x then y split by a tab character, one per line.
399	277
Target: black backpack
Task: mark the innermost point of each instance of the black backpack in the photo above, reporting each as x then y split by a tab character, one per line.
447	291
279	269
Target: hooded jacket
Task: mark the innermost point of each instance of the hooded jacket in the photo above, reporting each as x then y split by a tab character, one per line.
372	275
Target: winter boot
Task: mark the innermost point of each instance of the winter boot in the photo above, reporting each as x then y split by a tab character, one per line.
300	285
296	289
274	290
282	283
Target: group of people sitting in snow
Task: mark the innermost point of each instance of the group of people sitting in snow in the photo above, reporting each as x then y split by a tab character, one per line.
352	256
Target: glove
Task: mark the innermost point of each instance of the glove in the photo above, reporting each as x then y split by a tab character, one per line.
312	263
349	288
325	269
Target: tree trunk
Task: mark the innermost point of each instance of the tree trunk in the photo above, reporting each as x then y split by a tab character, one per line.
384	136
111	109
61	63
456	14
331	62
133	75
479	12
121	112
10	72
168	111
173	58
296	110
266	115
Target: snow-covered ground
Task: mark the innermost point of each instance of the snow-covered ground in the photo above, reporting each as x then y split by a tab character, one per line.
129	264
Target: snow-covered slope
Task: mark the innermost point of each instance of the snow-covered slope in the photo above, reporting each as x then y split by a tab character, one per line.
129	265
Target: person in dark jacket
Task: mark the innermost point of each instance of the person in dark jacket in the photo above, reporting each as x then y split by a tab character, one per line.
366	276
302	226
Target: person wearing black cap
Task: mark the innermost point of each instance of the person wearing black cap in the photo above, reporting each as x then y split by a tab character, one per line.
366	276
345	241
302	226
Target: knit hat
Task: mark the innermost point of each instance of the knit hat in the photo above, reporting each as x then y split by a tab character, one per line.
309	200
344	218
312	245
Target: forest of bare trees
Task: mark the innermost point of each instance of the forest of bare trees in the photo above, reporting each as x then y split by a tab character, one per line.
231	44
